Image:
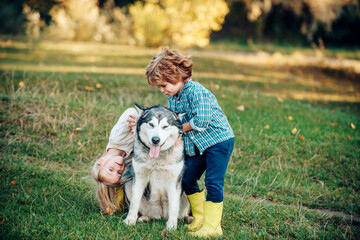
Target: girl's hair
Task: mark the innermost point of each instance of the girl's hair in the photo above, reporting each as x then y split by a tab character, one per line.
105	192
169	66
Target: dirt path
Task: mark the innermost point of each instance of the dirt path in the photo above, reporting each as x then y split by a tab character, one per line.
278	59
354	219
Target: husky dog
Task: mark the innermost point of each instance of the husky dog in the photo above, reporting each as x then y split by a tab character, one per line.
158	165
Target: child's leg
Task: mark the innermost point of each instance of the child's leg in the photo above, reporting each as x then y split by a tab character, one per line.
194	168
217	158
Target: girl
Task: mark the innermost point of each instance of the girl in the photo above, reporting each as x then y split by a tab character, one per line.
107	171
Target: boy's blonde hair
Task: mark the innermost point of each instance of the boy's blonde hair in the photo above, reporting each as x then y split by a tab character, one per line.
105	192
169	66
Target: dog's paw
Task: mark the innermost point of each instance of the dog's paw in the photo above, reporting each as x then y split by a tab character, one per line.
171	224
188	219
130	220
143	219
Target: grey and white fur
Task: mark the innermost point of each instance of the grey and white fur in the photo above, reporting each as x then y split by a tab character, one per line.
158	165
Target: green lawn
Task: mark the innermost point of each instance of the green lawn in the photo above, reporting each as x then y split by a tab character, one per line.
54	122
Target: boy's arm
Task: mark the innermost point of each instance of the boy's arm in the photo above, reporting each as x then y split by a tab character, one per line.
201	110
187	127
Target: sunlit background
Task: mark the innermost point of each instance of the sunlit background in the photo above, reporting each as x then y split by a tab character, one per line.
308	43
185	23
285	72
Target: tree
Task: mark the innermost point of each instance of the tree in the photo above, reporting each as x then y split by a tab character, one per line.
323	13
182	23
83	20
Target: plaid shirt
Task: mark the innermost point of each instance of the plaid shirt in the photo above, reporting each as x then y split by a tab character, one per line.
207	119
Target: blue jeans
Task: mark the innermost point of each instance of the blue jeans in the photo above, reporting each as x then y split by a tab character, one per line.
214	161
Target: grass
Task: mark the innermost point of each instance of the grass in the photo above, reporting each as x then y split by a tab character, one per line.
285	48
55	125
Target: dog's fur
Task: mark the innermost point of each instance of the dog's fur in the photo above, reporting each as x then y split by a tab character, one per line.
158	165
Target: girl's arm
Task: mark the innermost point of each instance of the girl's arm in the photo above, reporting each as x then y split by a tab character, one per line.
122	135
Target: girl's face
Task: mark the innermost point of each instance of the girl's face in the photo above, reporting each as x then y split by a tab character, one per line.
111	169
170	89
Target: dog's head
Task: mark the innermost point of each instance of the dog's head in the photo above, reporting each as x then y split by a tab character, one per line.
158	128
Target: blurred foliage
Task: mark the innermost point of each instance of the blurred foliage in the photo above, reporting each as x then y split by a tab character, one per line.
185	23
83	20
303	21
11	17
181	23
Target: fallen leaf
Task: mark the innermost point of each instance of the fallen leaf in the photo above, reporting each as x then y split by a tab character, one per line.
2	221
294	131
87	88
348	137
267	126
332	110
21	84
13	182
79	143
301	137
241	108
334	124
231	170
280	99
78	129
165	234
98	85
217	86
290	118
352	126
109	211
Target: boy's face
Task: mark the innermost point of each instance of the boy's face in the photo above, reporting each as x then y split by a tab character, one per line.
170	89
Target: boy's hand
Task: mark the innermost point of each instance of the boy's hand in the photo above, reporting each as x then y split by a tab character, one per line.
132	120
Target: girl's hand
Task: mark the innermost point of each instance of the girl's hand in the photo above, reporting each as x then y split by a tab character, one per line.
178	141
132	120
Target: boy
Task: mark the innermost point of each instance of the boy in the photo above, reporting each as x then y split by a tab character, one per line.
208	137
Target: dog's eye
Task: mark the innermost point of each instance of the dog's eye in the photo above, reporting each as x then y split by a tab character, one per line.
151	125
110	169
165	126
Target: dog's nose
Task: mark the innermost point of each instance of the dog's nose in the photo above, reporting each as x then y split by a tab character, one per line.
155	140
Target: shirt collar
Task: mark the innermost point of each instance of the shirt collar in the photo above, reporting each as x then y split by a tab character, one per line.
186	86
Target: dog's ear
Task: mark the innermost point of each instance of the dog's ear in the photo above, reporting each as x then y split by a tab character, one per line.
140	109
180	115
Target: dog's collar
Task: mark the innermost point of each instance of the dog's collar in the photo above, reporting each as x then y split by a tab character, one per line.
142	142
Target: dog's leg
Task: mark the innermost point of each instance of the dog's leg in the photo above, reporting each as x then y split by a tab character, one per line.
156	206
184	206
137	192
174	206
